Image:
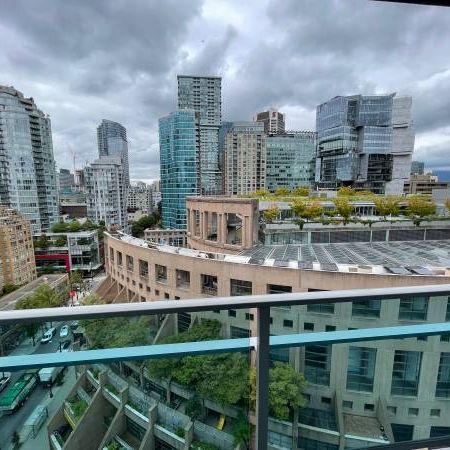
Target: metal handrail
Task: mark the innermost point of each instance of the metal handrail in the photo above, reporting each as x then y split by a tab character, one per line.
209	304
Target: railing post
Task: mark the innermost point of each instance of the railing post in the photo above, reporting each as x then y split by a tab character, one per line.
262	378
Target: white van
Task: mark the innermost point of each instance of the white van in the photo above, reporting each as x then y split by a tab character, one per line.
48	335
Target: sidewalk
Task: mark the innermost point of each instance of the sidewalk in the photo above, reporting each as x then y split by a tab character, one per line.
53	404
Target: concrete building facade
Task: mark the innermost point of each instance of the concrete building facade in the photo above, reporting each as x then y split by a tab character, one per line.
17	264
424	184
274	121
140	197
28	178
106	192
245	150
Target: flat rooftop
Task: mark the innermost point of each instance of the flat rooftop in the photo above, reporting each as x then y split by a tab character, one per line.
428	258
9	301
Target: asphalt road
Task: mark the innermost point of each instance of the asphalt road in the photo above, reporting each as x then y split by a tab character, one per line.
15	421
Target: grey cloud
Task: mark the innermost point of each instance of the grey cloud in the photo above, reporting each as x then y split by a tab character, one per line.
87	60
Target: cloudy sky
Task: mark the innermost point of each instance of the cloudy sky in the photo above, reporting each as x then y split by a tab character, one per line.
85	60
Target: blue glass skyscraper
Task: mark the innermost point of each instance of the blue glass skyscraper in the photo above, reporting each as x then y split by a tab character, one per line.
179	152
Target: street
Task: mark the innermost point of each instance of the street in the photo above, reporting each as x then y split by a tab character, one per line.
15	421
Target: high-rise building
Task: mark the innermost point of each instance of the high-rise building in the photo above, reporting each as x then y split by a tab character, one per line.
66	180
273	121
106	192
178	143
290	161
244	157
28	179
365	141
140	197
202	94
112	141
79	180
16	249
417	168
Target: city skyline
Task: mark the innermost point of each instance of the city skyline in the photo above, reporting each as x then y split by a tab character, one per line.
252	81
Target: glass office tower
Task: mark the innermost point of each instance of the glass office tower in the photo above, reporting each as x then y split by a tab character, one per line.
290	160
28	178
112	141
179	152
365	141
202	94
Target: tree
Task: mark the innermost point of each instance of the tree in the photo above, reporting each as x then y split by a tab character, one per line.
43	297
302	191
271	214
242	431
312	211
282	192
60	241
150	221
31	330
387	205
298	207
345	191
447	204
261	193
8	288
92	299
344	208
75	278
285	390
420	207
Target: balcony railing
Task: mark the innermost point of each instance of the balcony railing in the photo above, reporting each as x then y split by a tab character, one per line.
261	344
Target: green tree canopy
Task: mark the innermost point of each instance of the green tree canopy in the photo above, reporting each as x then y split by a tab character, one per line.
282	192
298	207
150	221
421	207
343	207
312	211
302	191
43	297
345	191
271	214
387	205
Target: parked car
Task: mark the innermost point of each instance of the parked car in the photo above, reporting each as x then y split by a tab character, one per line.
48	335
5	378
64	331
66	346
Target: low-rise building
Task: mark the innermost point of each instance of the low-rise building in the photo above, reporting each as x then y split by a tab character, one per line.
176	238
17	264
424	184
67	252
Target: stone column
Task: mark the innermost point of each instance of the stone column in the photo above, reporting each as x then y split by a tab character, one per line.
224	229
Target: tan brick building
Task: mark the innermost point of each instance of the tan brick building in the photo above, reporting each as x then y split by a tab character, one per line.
16	249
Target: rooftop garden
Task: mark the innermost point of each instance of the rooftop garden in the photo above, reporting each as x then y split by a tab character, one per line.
77	407
309	208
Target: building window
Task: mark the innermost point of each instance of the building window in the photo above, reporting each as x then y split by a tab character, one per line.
143	268
406	372
366	308
177	298
317	364
308	326
209	284
156	292
392	410
369	407
249	316
322	308
347	404
130	263
304	443
443	379
166	296
161	273
288	323
240	287
111	254
119	259
141	285
402	432
447	315
439	432
413	411
183	279
414	308
236	332
148	289
232	313
133	282
361	368
279	289
279	440
330	328
326	400
435	412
